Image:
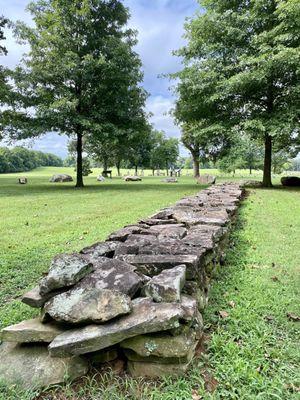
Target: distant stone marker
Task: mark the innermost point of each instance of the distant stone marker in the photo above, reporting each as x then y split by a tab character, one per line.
132	179
61	178
206	180
169	180
290	181
22	180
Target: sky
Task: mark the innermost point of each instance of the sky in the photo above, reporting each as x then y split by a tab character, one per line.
160	26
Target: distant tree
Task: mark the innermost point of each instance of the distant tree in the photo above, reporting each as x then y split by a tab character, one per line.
81	75
281	161
164	152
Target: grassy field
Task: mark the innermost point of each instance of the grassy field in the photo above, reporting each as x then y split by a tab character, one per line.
251	354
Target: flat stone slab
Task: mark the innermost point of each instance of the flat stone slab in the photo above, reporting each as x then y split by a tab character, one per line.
87	305
30	366
113	274
34	299
169	246
162	345
31	331
156	370
171	231
146	317
154	264
101	249
167	286
122	234
205	236
65	271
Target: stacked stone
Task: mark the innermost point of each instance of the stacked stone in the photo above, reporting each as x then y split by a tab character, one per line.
137	295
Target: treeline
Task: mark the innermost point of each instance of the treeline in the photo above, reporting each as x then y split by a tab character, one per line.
20	159
153	150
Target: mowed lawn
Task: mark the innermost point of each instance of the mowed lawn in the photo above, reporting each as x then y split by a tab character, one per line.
253	352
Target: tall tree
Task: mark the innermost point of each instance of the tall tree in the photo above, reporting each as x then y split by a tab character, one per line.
81	74
242	69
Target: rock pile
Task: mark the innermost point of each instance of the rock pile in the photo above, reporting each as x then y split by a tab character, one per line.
138	295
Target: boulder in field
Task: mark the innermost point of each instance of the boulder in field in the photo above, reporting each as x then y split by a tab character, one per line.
167	286
65	270
206	180
87	305
22	180
30	366
113	274
293	181
132	179
31	331
146	317
170	180
61	178
100	178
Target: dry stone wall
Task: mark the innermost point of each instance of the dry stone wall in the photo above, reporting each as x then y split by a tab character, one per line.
138	295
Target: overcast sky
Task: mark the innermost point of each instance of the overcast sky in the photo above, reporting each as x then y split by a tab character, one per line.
160	26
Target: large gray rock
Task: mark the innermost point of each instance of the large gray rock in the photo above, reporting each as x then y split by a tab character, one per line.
87	305
206	180
31	331
162	345
113	274
132	179
154	264
205	236
30	366
146	317
169	246
34	299
61	178
167	286
65	271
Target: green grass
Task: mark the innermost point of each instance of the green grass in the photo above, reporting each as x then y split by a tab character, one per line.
252	354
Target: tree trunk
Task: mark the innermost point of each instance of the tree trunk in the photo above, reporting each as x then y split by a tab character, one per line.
153	172
118	169
136	170
105	166
267	179
250	170
196	165
79	178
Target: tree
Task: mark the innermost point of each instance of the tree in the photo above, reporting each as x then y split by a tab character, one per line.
164	152
242	70
81	74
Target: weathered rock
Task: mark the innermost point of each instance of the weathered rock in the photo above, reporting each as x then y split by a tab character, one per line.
146	317
205	236
31	331
34	299
168	246
156	370
87	305
252	184
167	286
115	275
122	234
101	249
65	271
153	221
132	179
170	180
154	264
22	180
172	231
100	178
30	366
132	356
206	180
162	345
290	181
61	178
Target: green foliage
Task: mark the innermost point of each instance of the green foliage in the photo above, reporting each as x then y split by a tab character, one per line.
81	73
164	151
242	70
20	159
